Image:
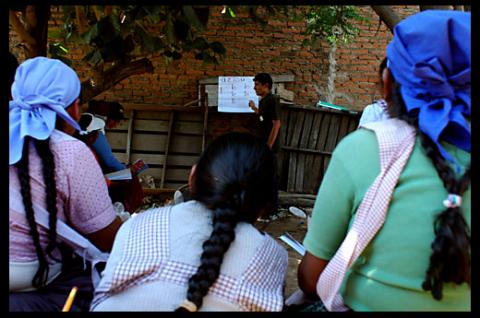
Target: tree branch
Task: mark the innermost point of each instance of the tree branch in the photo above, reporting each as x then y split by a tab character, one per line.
108	10
387	15
20	29
81	19
97	13
113	76
423	8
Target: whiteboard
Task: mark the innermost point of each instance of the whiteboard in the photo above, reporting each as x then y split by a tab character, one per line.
234	93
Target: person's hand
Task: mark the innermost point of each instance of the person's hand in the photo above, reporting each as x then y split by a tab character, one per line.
252	106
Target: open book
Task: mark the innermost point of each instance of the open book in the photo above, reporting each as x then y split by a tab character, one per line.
126	174
293	243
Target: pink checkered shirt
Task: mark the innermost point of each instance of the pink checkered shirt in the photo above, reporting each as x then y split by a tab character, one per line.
82	195
146	258
396	140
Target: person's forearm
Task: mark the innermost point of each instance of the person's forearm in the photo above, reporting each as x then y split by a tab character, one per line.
273	133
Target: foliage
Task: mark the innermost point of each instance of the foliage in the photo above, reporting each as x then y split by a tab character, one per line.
126	32
333	23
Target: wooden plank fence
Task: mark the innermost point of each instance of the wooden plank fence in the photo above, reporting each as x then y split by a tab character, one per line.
169	139
308	136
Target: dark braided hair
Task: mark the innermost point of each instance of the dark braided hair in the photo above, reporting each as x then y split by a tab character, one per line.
44	152
236	179
450	261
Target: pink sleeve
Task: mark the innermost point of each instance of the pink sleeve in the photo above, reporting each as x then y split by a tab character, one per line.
89	207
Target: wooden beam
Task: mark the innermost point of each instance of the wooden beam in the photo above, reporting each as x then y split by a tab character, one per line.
129	136
304	150
205	127
169	137
160	107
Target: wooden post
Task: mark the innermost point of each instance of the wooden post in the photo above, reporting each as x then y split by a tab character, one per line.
169	137
129	136
205	122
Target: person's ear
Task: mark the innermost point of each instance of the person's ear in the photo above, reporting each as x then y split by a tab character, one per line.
387	84
191	177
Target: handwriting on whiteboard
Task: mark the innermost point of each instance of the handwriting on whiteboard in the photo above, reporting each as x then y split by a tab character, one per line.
234	93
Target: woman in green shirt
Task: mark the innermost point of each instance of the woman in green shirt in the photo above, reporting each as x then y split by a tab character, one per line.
419	260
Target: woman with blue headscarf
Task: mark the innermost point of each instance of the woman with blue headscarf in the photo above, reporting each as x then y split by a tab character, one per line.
391	229
59	202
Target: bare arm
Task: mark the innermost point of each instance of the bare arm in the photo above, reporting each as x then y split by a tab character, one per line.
274	132
103	239
308	273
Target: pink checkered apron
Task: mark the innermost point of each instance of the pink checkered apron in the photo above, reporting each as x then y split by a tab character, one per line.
396	140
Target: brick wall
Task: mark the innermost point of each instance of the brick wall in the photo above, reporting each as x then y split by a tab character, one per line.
251	48
275	48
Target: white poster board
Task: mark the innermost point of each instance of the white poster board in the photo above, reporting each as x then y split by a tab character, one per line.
234	93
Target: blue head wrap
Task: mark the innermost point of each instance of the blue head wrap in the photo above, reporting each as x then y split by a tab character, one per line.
429	56
42	89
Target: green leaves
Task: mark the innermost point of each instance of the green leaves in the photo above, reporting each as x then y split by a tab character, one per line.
333	23
57	50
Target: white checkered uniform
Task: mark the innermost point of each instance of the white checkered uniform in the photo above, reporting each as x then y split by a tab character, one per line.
146	258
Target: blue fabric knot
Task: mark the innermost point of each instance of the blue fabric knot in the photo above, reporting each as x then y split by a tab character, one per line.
430	57
42	89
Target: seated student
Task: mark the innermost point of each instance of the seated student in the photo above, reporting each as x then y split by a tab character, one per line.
128	192
58	198
203	254
111	113
91	127
408	242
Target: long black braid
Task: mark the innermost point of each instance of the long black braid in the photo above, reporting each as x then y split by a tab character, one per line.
46	155
43	150
235	178
41	275
450	261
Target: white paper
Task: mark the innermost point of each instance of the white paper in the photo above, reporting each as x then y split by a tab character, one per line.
293	243
124	174
234	93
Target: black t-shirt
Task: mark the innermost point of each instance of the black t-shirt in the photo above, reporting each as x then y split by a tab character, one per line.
269	109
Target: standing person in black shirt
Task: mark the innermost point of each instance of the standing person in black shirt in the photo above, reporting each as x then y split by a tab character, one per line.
268	110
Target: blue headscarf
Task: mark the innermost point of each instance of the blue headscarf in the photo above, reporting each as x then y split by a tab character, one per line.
429	56
42	89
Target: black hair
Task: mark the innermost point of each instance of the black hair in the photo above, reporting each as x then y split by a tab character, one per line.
44	152
264	78
85	121
235	178
450	261
112	110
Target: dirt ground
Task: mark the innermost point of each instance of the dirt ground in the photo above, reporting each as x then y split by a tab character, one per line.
296	227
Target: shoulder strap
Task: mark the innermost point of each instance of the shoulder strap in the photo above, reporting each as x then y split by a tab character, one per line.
396	140
67	234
